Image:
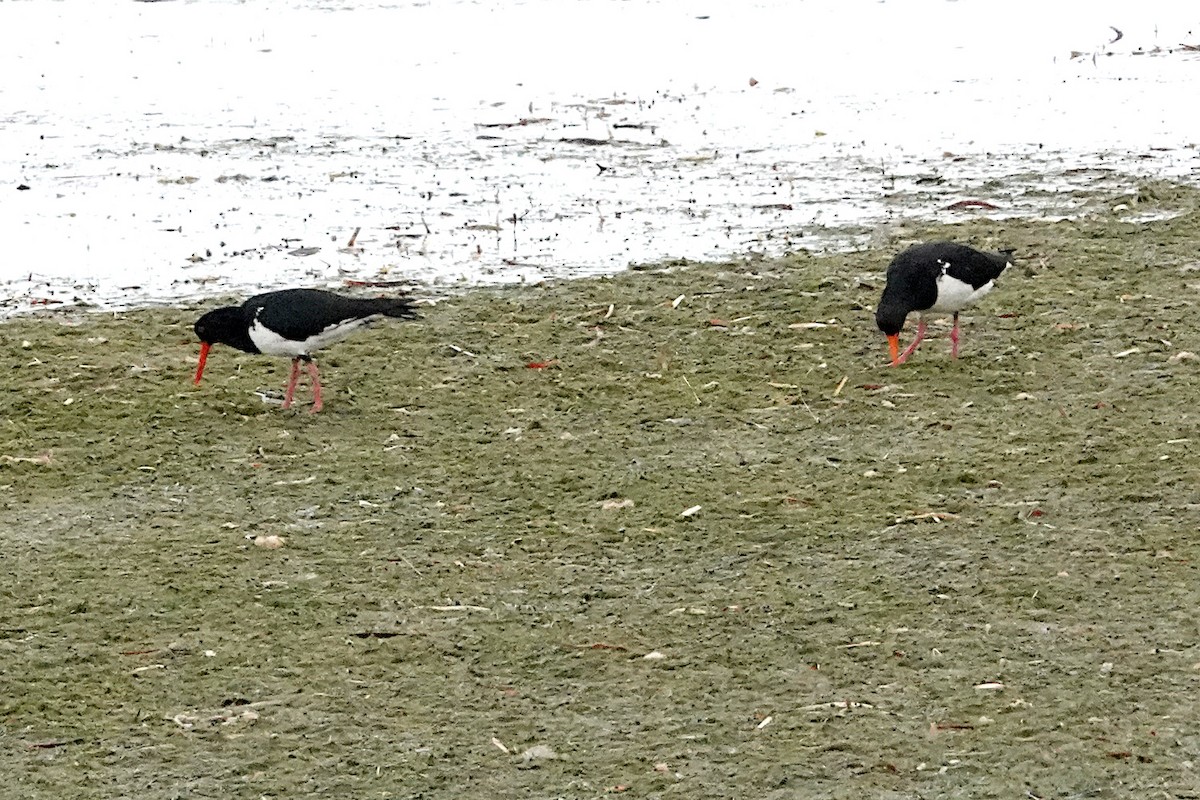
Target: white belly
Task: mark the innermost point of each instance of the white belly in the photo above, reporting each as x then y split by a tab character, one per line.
272	344
955	295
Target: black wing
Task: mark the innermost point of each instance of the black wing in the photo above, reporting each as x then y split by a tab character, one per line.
970	265
297	314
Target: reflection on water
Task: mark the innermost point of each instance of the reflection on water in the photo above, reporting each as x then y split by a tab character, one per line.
175	149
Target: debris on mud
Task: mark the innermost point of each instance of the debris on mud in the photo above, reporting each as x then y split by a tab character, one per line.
971	577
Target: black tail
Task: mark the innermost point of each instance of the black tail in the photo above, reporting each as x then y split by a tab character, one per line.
399	307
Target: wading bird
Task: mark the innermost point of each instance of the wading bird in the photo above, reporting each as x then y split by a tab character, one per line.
293	323
935	278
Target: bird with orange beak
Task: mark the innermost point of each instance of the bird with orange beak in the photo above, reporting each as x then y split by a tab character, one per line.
293	323
934	278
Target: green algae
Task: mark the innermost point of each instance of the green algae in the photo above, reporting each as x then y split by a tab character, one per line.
960	578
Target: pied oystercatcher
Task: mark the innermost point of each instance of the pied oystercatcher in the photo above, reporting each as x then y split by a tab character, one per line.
935	278
293	323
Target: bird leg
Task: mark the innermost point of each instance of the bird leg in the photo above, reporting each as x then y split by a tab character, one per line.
909	350
954	337
291	385
316	383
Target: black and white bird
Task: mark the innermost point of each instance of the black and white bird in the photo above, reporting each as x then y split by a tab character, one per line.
293	323
935	278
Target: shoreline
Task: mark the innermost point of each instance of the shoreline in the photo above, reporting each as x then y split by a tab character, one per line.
1122	197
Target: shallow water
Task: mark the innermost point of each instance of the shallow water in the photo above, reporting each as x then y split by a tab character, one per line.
176	149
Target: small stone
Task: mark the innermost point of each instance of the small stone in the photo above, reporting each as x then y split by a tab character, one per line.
539	751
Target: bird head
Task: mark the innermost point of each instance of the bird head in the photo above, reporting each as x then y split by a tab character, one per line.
212	328
890	319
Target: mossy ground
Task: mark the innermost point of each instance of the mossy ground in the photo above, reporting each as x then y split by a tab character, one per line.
951	579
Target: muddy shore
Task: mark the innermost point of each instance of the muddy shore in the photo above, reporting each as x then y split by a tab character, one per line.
677	532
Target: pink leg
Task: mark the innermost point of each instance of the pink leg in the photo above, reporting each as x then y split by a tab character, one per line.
909	350
954	337
316	382
291	386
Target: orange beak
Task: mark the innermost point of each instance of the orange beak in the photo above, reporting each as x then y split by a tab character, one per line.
204	348
893	350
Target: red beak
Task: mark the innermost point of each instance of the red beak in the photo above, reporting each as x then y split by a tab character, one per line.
204	348
893	349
